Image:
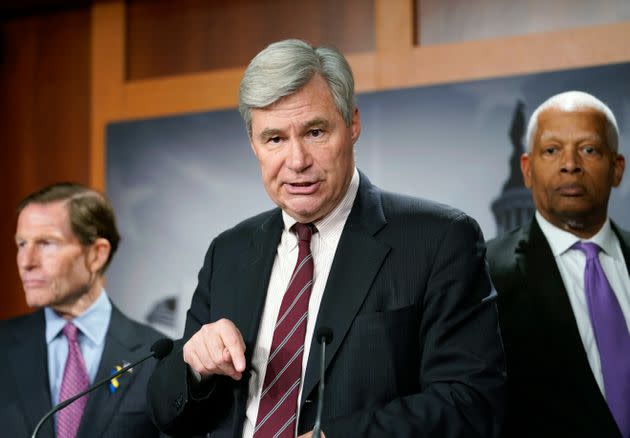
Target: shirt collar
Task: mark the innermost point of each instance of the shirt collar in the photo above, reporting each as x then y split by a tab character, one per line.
561	241
90	322
327	225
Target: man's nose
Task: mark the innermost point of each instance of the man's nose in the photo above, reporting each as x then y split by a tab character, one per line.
27	256
571	161
298	156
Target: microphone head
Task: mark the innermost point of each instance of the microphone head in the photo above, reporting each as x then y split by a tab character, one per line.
161	348
324	334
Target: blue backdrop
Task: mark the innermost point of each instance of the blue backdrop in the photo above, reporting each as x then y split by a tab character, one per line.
176	182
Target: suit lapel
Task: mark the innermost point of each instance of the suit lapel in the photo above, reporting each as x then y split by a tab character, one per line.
120	344
249	299
347	285
624	241
550	295
29	364
251	281
564	348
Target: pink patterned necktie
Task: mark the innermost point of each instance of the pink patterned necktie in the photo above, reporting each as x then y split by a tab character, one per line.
611	336
277	412
75	379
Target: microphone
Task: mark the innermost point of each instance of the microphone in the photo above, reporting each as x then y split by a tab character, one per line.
324	336
160	349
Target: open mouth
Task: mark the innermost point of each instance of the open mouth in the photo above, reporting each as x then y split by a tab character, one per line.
301	188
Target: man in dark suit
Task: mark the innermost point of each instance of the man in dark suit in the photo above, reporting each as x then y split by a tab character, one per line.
401	283
66	236
565	335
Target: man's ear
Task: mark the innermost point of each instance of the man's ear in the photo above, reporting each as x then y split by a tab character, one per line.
619	166
356	125
98	254
526	170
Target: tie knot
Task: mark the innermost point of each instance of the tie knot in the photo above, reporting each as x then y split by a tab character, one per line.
589	249
70	331
304	231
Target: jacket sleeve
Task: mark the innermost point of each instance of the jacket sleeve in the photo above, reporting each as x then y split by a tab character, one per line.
177	406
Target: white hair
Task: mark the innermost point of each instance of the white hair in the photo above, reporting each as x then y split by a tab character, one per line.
571	101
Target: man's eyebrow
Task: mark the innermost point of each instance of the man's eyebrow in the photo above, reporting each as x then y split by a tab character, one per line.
592	136
551	136
548	136
268	133
318	122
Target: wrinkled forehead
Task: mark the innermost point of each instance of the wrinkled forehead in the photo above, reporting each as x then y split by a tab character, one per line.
575	123
44	217
311	104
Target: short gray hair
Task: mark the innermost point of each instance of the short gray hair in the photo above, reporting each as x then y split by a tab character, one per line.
282	68
575	101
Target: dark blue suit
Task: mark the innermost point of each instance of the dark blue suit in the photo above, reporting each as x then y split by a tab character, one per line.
415	351
25	395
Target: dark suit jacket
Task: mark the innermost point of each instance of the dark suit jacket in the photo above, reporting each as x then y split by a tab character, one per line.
415	350
25	395
551	389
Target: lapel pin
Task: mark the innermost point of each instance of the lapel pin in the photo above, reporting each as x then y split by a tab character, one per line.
114	383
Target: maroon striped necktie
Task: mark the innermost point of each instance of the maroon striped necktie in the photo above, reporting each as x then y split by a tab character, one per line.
277	412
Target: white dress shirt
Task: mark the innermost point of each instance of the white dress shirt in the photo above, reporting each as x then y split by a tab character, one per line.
323	247
571	264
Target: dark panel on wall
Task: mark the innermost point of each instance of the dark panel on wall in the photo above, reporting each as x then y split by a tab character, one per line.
168	38
16	8
45	122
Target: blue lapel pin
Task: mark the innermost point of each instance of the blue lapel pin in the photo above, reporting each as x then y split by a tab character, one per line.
114	383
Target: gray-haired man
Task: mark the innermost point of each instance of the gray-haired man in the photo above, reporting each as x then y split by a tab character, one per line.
66	237
400	281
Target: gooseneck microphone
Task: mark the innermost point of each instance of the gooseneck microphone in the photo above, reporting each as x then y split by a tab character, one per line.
324	336
160	349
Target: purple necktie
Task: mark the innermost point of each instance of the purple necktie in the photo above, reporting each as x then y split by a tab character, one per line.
611	335
75	379
277	411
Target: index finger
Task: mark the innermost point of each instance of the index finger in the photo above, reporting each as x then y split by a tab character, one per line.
235	346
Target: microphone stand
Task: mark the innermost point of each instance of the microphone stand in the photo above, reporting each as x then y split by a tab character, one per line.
324	336
159	349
